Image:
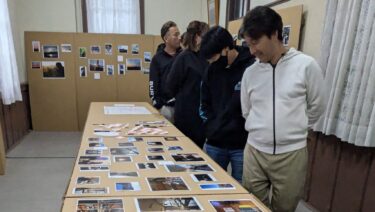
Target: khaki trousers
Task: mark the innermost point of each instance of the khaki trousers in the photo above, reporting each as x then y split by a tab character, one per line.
282	175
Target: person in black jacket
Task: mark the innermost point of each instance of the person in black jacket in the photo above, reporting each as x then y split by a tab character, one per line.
220	106
184	82
159	69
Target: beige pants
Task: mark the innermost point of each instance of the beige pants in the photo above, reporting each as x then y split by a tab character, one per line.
168	113
286	174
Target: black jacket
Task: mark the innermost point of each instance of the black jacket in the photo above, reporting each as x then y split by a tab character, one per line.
184	83
221	102
159	69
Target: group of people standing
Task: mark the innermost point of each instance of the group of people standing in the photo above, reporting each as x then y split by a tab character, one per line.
250	106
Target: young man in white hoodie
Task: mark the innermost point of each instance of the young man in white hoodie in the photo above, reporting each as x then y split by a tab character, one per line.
281	98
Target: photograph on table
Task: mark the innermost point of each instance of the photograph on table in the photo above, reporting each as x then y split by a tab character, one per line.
166	183
82	52
133	64
155	150
96	64
95	49
93	152
124	144
93	205
175	148
168	204
66	47
189	168
108	49
95	139
186	157
98	146
154	143
135	48
110	70
35	45
129	186
50	51
122	49
124	151
82	71
94	160
155	157
36	64
122	174
170	138
93	168
90	190
135	139
216	186
88	180
146	166
53	69
121	69
122	159
147	57
235	205
202	177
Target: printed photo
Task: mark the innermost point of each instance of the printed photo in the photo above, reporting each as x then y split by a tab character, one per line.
93	152
202	177
131	186
53	69
95	49
135	49
186	157
94	160
286	33
170	138
90	191
121	69
146	166
108	48
155	150
122	174
146	70
122	159
168	204
124	151
66	47
93	168
135	139
166	183
154	143
110	70
35	46
189	168
36	65
155	157
147	57
122	49
95	139
98	146
234	205
92	205
82	52
216	186
88	180
51	51
96	65
133	64
125	144
175	148
82	71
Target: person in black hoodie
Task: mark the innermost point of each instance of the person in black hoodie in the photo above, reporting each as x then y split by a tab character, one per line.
220	106
184	82
159	69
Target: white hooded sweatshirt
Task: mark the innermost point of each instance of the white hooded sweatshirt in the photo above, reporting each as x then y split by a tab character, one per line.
281	103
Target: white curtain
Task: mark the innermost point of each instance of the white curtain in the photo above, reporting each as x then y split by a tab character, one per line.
348	59
113	16
9	82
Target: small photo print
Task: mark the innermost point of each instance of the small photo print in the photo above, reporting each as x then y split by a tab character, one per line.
189	168
133	64
97	146
35	46
286	34
108	48
66	47
234	205
95	49
110	70
124	151
96	65
170	138
155	150
135	48
186	157
88	180
155	157
154	143
135	139
146	166
147	57
216	186
90	191
95	140
53	69
166	183
131	186
175	148
93	168
82	71
202	177
122	159
36	64
122	49
122	174
125	144
82	52
121	69
94	160
51	51
93	152
92	205
168	204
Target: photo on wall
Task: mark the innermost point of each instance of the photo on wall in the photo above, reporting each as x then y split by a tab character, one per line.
53	69
82	71
35	65
286	33
96	64
147	57
95	49
122	49
110	70
121	69
66	47
135	48
133	64
82	52
108	49
51	51
35	46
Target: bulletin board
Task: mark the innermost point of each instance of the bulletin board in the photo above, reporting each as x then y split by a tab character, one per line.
292	20
61	104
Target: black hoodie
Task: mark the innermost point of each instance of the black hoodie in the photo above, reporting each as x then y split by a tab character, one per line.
220	107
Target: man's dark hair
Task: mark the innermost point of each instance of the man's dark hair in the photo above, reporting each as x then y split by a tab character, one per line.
194	28
165	28
261	21
214	41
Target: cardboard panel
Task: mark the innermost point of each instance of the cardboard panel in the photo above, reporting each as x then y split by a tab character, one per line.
53	101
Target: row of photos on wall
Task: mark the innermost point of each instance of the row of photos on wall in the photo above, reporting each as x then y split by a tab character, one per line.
56	69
